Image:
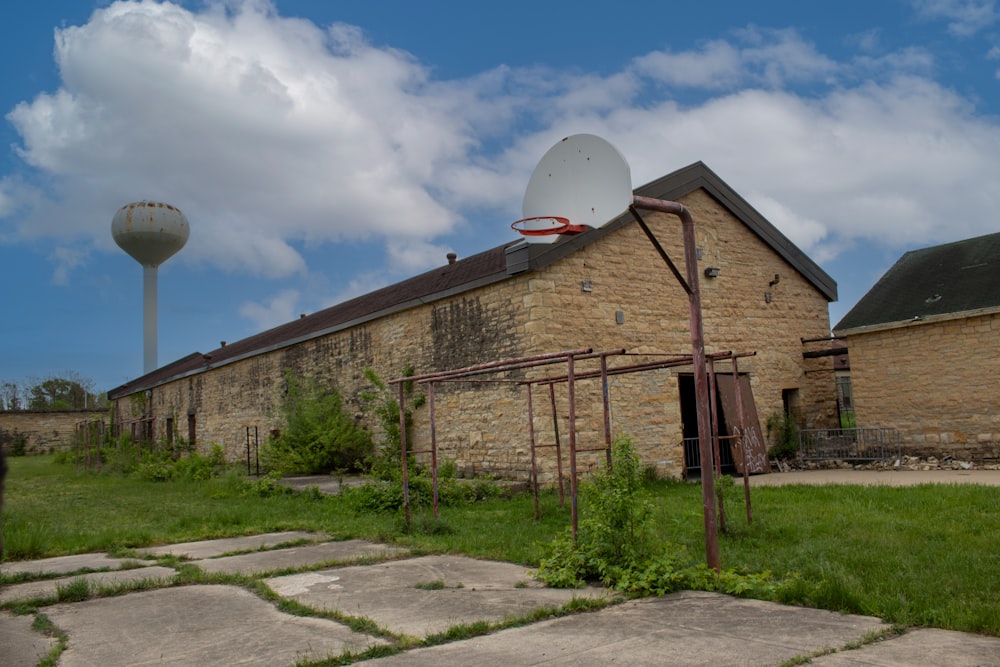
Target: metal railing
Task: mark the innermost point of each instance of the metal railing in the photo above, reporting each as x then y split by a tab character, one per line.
692	455
849	444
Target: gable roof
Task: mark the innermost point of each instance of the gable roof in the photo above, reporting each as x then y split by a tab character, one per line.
941	282
490	266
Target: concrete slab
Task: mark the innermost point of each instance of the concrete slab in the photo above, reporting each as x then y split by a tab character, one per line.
64	564
925	646
213	548
22	646
198	626
689	629
403	597
261	562
328	484
878	477
49	587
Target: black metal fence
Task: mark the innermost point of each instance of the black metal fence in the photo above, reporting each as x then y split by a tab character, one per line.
692	456
849	444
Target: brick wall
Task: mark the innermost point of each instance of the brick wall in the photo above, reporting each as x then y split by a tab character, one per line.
483	426
47	431
934	381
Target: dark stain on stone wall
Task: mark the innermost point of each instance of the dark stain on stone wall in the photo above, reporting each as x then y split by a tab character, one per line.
465	333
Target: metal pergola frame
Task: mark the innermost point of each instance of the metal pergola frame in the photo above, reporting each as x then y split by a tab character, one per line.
472	374
690	283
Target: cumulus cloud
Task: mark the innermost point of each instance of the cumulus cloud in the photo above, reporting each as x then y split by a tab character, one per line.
274	134
262	128
964	17
279	309
771	58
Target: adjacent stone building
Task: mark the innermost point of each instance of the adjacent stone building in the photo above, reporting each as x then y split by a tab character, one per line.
43	431
925	350
606	288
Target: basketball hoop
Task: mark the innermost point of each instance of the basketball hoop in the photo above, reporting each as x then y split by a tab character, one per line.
546	225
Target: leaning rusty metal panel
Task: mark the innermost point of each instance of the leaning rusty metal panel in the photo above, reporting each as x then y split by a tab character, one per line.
753	439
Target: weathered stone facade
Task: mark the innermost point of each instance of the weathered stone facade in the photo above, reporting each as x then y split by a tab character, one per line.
46	431
630	301
935	381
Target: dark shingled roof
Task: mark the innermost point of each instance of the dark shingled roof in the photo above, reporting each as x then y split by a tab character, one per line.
943	280
487	267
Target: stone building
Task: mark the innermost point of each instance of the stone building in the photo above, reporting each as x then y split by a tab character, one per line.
924	350
42	431
606	288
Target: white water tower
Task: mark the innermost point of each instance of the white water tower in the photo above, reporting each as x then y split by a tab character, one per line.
151	232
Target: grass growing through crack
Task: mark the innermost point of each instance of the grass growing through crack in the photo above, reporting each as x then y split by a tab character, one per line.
924	556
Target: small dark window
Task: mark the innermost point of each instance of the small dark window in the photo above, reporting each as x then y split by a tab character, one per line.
170	430
192	430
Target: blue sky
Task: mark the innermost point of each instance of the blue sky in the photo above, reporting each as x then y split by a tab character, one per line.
322	149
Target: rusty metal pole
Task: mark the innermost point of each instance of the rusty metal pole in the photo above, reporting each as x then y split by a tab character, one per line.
607	409
700	370
555	428
712	384
743	443
434	451
534	463
402	447
573	484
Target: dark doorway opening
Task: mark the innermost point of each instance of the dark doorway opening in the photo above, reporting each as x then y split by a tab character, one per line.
689	419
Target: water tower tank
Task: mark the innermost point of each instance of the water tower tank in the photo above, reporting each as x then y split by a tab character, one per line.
151	232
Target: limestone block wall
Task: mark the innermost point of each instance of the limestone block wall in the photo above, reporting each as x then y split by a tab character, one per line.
218	405
47	431
934	381
483	426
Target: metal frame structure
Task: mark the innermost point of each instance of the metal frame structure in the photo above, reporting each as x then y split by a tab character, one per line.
472	374
697	359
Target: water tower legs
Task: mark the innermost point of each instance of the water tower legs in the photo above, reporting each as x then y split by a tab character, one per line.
148	319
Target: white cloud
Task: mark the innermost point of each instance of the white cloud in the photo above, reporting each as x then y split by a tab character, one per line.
279	309
273	134
67	259
770	58
965	17
245	116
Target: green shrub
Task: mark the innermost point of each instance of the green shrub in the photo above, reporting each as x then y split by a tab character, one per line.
319	436
14	442
615	544
783	435
615	534
383	404
383	495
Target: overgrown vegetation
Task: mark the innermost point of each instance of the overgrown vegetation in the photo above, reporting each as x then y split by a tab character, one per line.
616	543
385	493
914	556
319	435
157	462
382	403
783	436
14	443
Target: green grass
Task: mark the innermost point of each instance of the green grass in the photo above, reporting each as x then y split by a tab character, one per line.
917	556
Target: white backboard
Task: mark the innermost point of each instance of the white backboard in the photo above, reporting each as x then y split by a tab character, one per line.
583	178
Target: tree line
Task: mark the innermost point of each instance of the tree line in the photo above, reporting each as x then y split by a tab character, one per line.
69	391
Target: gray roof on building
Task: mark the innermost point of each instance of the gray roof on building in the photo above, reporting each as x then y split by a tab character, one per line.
941	281
490	266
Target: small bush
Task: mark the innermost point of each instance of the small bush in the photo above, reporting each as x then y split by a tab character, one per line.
319	436
14	442
265	486
615	535
615	544
783	435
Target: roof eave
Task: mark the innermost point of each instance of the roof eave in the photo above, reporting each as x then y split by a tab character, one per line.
916	321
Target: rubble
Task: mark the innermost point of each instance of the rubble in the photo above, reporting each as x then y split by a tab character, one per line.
895	463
